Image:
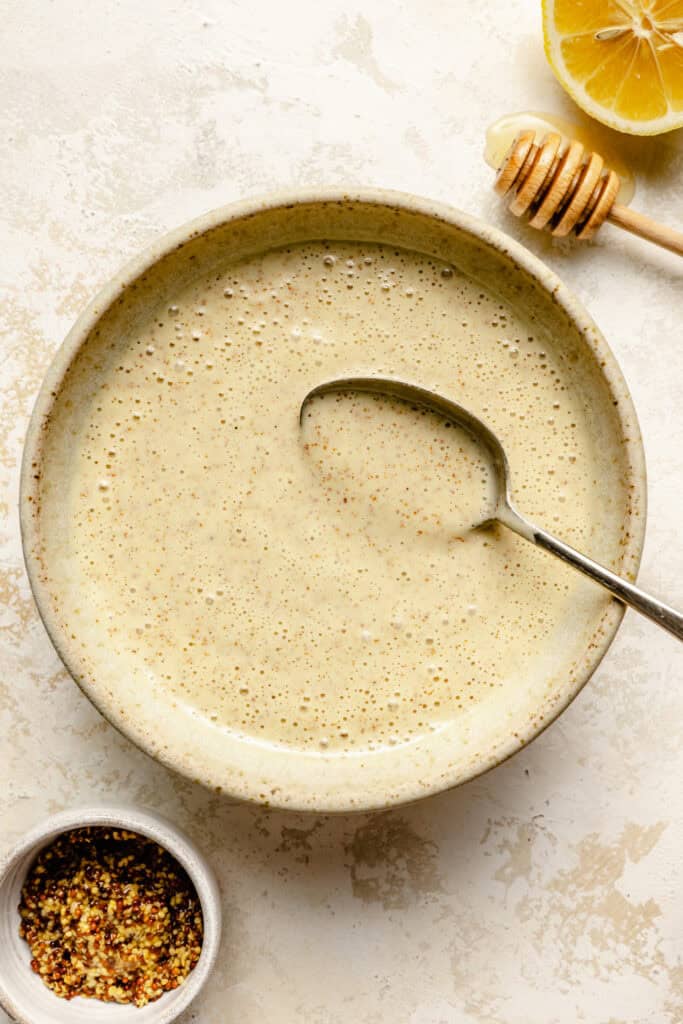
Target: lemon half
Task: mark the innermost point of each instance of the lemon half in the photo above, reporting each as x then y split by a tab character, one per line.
620	60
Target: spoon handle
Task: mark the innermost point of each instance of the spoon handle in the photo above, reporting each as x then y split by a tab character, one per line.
666	617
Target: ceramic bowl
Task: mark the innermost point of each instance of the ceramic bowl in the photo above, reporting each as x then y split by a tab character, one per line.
24	996
126	693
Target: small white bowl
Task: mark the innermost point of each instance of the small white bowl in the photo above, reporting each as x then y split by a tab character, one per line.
25	997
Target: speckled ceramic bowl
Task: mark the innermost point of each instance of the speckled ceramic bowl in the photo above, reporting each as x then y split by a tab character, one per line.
24	996
285	776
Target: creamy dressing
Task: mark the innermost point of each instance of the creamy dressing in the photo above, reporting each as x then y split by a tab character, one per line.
322	587
398	473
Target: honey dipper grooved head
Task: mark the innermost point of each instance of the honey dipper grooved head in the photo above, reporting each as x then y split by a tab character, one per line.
560	186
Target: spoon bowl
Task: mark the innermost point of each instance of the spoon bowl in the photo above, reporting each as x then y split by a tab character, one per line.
391	388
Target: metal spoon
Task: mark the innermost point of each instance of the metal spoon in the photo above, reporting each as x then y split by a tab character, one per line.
504	511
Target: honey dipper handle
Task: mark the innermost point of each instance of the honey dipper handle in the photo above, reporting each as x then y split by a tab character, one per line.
645	227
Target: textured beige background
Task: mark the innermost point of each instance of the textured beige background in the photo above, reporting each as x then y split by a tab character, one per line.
548	892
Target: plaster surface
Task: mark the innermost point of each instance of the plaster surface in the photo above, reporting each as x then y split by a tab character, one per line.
546	892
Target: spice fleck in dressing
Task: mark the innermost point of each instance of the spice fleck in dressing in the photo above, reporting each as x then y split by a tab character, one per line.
110	915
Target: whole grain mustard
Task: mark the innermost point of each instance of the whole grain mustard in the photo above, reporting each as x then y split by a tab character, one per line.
110	915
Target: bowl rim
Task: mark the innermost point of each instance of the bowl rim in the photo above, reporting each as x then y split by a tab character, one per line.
173	839
400	202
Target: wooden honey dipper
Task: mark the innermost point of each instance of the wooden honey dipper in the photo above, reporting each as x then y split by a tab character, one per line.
566	189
